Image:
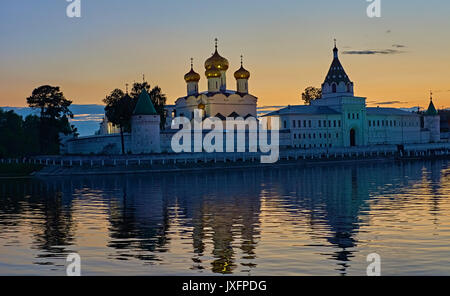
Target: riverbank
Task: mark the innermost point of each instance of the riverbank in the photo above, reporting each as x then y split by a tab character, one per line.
18	170
67	165
205	166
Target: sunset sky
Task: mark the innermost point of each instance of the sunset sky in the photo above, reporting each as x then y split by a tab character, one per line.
287	45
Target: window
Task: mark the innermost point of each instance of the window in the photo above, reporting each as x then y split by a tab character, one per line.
339	122
333	87
348	115
295	136
357	115
348	87
304	123
329	123
334	123
320	123
314	136
293	123
285	124
324	123
353	115
320	136
309	123
337	135
378	123
370	123
299	123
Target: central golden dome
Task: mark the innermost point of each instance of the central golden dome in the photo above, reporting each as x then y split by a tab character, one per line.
212	72
217	61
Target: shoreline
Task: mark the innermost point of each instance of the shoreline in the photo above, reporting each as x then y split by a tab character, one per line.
130	170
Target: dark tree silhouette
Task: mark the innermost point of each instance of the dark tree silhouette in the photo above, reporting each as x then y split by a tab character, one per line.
51	101
311	93
119	110
54	116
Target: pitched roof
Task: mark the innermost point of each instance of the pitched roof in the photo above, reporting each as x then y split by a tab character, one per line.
304	110
144	105
388	111
431	110
336	73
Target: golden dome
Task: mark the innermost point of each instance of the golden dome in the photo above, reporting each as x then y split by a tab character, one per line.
242	74
217	61
192	76
212	72
201	106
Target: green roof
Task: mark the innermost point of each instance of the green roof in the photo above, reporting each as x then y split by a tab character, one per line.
144	105
431	110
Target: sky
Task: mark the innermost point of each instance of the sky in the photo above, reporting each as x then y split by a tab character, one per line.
394	60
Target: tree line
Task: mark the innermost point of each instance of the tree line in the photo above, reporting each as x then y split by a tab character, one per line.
36	135
39	134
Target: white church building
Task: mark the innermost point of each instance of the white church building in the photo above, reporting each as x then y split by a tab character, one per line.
338	119
341	119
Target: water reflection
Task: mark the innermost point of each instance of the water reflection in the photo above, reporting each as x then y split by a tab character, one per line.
271	221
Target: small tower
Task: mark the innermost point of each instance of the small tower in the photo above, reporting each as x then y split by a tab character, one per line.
145	127
432	122
242	76
216	67
337	83
192	78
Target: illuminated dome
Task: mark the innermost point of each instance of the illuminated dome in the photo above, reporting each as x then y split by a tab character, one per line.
192	76
217	61
201	106
242	73
212	72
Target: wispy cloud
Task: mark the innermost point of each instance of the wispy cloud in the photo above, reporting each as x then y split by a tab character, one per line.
389	103
374	52
399	45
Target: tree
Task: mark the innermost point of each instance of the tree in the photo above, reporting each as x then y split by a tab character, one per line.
119	110
54	116
158	98
311	93
51	101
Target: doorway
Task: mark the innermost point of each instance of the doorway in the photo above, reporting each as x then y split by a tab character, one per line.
352	138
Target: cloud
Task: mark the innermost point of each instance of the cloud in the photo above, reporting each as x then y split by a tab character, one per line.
374	52
398	46
388	31
388	103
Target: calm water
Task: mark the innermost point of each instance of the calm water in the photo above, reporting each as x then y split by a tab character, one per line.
321	220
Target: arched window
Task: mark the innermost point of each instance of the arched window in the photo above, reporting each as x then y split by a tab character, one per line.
333	87
348	87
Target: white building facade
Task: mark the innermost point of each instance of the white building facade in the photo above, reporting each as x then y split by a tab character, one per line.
341	119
